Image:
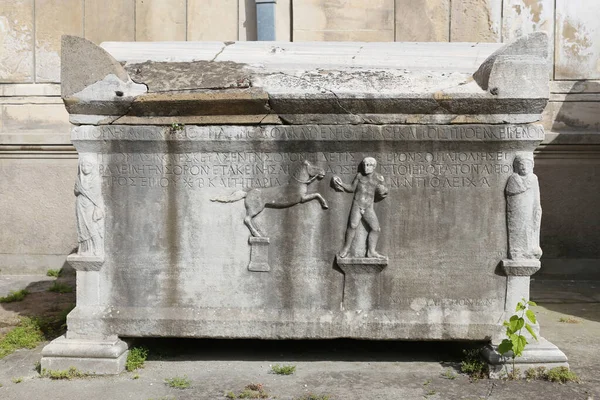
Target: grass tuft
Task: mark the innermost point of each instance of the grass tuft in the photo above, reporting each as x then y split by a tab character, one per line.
449	374
473	365
13	296
17	380
55	273
251	391
561	375
569	320
178	382
136	358
26	335
67	374
283	369
58	287
315	397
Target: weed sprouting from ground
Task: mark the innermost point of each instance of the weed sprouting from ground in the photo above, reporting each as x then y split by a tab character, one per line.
251	391
473	365
58	287
561	375
178	382
17	380
449	374
315	397
136	358
535	373
26	335
283	369
67	374
569	320
13	296
558	374
55	273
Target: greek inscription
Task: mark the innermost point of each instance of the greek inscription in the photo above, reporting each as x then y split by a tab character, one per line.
439	302
315	133
400	170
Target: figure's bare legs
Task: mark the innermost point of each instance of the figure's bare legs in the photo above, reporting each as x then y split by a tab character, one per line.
371	219
350	233
355	217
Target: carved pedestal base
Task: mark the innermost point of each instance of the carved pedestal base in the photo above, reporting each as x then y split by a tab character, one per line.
361	281
522	267
101	357
536	354
259	254
85	263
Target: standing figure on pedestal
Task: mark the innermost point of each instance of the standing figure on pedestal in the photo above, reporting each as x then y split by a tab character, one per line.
523	210
367	187
89	208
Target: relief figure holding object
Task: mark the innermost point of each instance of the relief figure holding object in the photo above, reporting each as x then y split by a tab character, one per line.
523	210
89	208
368	187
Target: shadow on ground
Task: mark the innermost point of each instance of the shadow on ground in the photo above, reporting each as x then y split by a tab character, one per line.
39	303
347	350
581	299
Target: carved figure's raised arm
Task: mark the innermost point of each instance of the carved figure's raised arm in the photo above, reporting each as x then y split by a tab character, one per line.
340	185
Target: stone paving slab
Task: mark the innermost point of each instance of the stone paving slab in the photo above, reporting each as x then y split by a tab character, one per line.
343	369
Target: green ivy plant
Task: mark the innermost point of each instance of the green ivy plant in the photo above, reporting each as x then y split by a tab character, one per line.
515	342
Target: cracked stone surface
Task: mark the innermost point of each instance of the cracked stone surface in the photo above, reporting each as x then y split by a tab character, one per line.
354	83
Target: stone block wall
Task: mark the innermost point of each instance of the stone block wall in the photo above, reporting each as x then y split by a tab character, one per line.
37	161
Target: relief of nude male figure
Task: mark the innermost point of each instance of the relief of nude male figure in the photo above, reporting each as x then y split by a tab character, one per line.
367	186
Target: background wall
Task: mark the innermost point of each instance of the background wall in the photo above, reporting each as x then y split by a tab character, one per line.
38	164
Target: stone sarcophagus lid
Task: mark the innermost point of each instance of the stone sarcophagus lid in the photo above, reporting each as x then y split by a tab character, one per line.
301	190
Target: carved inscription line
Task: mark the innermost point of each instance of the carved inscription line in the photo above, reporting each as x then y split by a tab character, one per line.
314	133
438	302
449	169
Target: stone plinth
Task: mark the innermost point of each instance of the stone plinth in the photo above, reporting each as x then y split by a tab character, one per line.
97	357
362	284
520	267
181	162
537	354
85	263
259	254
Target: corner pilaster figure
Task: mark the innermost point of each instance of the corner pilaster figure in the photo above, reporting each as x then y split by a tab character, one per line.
523	221
88	345
523	210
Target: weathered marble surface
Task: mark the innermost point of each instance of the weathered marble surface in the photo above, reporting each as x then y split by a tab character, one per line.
325	83
242	202
193	254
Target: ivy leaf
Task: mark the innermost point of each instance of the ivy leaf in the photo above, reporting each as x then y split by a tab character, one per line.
516	323
518	345
531	316
532	303
530	330
505	346
520	307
